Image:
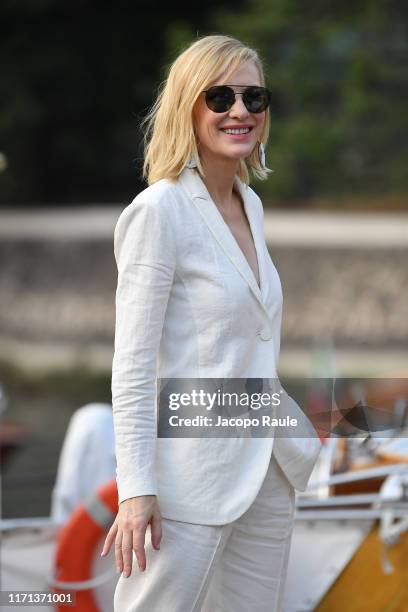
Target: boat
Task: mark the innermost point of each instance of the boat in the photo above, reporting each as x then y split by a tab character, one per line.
348	550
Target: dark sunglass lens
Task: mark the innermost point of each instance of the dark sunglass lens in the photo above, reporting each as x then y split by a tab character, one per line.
256	99
219	99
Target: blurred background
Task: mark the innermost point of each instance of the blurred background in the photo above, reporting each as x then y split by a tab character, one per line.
77	78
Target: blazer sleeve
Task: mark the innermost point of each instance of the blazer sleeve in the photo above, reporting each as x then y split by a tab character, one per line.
145	254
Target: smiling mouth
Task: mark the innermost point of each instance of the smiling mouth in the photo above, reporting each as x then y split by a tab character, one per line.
236	131
239	136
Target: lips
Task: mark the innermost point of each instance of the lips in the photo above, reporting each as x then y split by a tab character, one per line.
240	136
241	127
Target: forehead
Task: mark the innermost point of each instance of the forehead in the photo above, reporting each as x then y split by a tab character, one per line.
246	74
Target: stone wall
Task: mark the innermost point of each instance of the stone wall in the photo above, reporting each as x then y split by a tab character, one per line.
64	291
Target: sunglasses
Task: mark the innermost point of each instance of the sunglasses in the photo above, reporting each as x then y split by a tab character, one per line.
221	98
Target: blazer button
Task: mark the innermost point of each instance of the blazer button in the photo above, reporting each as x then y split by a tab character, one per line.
266	333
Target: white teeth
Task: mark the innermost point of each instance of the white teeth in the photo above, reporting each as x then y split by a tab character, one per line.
237	131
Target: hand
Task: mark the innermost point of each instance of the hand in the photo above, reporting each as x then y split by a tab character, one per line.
129	530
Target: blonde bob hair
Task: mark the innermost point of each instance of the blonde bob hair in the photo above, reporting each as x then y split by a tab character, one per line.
169	136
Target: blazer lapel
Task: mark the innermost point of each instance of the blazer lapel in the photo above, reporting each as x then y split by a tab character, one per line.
197	191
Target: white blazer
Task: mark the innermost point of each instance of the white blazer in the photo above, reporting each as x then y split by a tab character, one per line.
188	306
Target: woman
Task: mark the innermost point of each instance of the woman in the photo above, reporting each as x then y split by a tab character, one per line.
199	298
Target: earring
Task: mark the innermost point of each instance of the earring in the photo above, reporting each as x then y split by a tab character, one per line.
261	155
191	163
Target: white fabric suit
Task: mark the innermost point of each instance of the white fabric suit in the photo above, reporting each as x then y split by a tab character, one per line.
188	305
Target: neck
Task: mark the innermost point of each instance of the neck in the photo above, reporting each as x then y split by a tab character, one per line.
219	179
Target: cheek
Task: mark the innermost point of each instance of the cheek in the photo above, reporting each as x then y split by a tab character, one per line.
206	129
202	124
211	132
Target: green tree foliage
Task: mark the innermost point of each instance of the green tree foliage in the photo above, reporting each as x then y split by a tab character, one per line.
339	77
77	76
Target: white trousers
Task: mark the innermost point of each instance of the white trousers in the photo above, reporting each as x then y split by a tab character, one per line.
236	567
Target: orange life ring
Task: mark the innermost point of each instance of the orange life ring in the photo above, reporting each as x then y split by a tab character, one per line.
77	540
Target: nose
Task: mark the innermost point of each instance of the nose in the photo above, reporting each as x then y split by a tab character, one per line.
238	109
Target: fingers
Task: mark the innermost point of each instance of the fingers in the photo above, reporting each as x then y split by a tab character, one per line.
127	541
156	530
118	551
127	549
138	546
129	533
109	539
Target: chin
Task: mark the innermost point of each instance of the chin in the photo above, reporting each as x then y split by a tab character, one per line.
239	155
